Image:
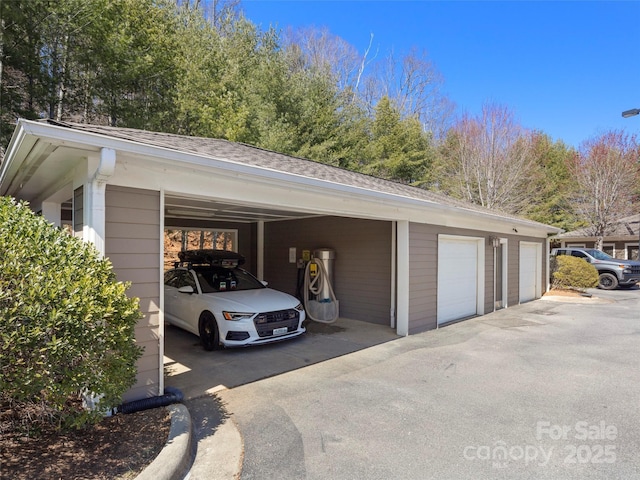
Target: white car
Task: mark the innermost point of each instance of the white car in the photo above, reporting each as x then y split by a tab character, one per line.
209	295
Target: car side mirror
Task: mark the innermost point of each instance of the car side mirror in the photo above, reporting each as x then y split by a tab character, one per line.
187	289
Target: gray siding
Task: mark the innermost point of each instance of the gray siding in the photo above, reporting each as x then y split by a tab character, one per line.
423	277
362	268
423	271
132	244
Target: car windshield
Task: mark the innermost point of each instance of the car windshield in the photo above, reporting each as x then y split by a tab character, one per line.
598	255
220	279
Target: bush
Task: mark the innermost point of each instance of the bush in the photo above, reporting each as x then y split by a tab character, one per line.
573	272
66	324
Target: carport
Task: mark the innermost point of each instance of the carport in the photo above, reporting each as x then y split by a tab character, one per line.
122	189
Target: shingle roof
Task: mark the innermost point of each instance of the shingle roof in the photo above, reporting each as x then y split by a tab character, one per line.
258	157
627	226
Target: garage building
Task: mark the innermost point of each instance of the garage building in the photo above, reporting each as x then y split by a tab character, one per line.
405	257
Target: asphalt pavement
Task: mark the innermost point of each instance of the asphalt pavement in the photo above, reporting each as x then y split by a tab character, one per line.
544	390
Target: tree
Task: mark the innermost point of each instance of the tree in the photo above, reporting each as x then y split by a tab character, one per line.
414	86
22	79
488	160
399	149
318	50
131	64
554	184
606	172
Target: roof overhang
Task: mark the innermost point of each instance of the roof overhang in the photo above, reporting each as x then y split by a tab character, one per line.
42	156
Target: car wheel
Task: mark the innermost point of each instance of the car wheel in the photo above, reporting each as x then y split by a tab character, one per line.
208	329
608	281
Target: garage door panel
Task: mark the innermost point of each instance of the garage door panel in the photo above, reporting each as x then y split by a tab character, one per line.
529	259
457	279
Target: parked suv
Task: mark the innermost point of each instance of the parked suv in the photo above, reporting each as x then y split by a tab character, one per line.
612	271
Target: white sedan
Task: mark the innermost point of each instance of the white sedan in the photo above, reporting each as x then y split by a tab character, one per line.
227	306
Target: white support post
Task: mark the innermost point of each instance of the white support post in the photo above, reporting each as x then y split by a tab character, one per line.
94	199
260	253
161	330
394	251
51	211
402	262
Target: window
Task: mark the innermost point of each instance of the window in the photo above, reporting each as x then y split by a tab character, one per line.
609	249
631	250
179	279
176	240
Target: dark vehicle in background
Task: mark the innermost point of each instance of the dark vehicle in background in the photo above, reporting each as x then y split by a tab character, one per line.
612	272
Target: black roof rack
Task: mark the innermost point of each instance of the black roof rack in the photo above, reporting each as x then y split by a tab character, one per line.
219	258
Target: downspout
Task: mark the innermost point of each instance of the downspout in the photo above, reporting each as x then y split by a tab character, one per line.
94	225
96	198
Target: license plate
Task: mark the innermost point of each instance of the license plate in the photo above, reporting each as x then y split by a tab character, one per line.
280	331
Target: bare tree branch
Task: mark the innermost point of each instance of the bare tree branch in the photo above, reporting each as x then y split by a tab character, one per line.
492	160
607	176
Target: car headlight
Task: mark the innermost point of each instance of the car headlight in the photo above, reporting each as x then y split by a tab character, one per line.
235	316
299	307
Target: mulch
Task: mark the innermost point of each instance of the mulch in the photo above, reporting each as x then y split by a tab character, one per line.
118	447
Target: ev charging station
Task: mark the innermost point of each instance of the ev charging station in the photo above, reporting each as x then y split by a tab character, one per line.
319	299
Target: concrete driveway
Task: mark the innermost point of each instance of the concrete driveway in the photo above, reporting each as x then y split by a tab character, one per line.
544	390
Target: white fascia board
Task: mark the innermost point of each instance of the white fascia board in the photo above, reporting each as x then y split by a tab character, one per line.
242	183
15	144
282	179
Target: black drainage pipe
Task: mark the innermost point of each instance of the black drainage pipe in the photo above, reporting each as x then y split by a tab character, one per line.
171	395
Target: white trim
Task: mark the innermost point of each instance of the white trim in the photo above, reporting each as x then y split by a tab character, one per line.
166	158
403	278
613	250
547	283
575	245
538	272
161	331
628	245
480	271
504	242
394	253
52	212
94	198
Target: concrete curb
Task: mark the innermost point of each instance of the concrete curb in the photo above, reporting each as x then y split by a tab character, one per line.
587	300
174	460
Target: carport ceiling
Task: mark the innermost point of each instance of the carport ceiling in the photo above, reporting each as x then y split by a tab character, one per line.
186	208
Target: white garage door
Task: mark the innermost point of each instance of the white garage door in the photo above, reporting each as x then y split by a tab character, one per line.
529	271
457	278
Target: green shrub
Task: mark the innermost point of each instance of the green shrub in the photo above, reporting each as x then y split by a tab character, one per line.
573	272
66	324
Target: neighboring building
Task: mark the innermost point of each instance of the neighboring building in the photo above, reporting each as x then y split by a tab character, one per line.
620	240
405	257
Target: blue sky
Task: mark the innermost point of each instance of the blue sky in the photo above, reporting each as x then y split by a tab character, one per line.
567	68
